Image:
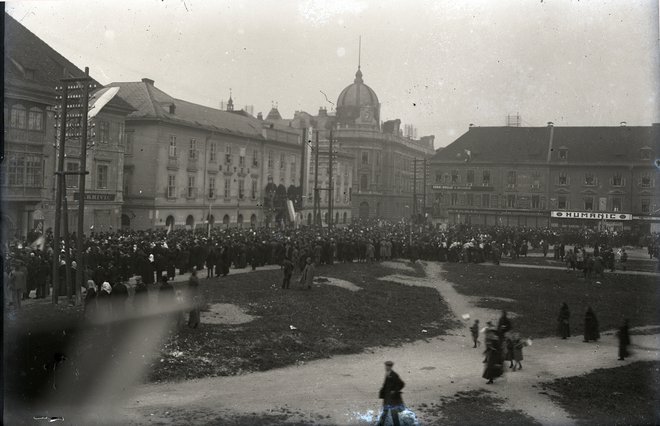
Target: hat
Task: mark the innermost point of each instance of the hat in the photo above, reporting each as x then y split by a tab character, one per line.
389	363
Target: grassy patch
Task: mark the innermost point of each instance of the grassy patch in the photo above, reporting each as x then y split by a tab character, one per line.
614	396
645	265
537	294
476	407
328	321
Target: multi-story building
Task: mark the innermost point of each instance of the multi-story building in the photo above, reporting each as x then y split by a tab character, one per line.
383	157
548	176
189	165
32	71
104	184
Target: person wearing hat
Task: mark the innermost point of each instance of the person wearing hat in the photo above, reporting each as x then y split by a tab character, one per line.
307	277
390	393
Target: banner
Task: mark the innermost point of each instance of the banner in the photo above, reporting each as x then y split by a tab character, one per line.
590	215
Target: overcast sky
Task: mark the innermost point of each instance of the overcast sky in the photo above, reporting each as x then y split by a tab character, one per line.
438	65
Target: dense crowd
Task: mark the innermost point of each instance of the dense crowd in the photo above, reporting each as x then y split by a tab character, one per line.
116	256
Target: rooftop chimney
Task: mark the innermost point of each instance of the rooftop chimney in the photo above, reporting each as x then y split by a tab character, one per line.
323	112
551	124
260	116
148	81
623	124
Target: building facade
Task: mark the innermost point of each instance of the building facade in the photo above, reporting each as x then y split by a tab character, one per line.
32	71
548	176
382	157
188	165
104	183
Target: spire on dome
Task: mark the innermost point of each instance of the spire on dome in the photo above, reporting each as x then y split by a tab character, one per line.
358	74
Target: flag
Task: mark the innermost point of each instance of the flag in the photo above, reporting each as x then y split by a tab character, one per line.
39	243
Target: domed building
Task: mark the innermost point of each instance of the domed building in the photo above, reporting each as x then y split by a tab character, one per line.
358	106
373	161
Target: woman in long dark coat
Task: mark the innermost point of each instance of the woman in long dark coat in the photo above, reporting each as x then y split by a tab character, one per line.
494	361
591	331
563	320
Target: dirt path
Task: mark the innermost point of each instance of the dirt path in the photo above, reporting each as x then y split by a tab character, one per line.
343	389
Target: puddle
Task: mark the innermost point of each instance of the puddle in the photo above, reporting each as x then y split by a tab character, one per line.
337	282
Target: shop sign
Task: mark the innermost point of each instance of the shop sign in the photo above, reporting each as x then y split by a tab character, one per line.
590	215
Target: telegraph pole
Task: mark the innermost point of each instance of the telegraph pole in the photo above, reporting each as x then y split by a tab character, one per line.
317	200
331	191
81	187
414	188
424	191
302	167
58	194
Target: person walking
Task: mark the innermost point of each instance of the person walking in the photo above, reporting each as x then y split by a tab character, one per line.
287	270
591	331
624	340
195	300
503	326
563	321
307	277
390	393
474	330
89	308
518	345
493	352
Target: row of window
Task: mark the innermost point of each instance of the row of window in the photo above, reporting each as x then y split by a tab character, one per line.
365	158
24	170
644	154
192	189
535	202
101	174
590	179
22	118
193	154
512	201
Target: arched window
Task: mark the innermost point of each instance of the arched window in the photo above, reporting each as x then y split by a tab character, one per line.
309	218
253	220
169	222
239	219
210	219
325	217
18	116
225	220
345	219
125	221
190	221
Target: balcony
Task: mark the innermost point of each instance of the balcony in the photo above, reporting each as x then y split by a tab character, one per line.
173	163
24	135
23	192
192	164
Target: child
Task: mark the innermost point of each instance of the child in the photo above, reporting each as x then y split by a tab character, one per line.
475	333
518	346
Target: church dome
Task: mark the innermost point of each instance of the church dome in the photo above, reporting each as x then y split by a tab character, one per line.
357	94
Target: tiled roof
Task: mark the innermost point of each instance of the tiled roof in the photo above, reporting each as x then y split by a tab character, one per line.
151	102
532	144
25	51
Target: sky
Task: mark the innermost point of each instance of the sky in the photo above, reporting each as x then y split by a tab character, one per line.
439	65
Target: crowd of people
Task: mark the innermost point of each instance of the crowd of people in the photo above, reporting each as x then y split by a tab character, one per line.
115	257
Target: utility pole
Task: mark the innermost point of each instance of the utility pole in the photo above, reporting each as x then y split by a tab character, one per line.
317	200
67	245
302	167
424	191
331	191
81	188
414	189
58	194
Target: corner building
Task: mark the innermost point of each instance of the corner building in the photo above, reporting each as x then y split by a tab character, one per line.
549	176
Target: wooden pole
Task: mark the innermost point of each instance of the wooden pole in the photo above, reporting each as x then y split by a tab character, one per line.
58	194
